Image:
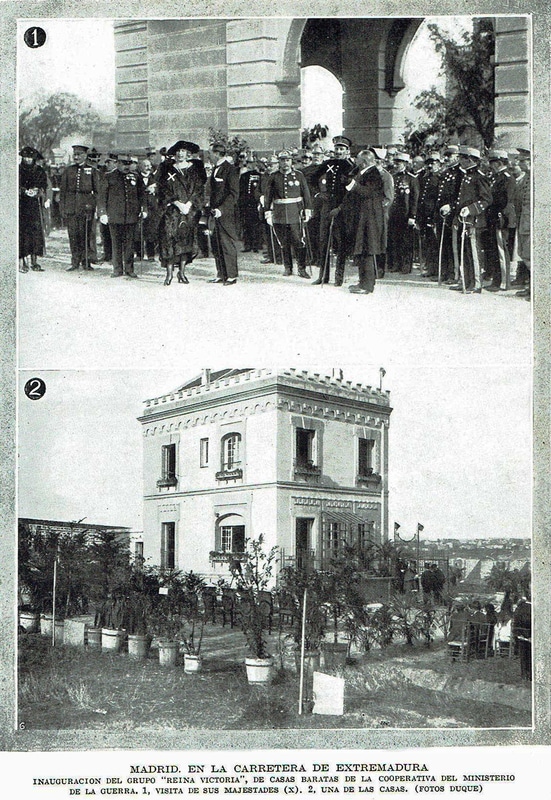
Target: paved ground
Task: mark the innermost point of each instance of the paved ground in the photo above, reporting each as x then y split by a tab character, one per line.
86	320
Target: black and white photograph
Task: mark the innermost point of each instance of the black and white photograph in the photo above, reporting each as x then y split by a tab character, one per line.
277	395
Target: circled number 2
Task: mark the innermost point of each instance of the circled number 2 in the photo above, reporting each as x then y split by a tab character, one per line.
35	388
34	37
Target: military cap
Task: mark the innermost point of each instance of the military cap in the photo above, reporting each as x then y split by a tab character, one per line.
285	154
451	149
111	157
29	152
342	140
93	153
378	152
183	145
522	151
433	157
402	157
124	158
497	155
472	152
273	159
82	147
316	148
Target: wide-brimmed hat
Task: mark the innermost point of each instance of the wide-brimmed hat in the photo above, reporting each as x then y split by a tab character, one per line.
30	152
181	144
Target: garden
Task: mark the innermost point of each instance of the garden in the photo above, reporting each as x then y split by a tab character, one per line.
111	644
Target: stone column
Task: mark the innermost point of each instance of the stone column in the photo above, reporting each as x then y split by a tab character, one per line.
512	75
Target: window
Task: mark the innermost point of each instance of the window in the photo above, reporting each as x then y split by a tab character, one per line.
138	554
365	457
231	447
305	447
204	453
335	535
232	538
365	534
168	466
168	545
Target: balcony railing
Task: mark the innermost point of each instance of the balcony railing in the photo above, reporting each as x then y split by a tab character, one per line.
369	478
307	471
167	480
229	474
225	557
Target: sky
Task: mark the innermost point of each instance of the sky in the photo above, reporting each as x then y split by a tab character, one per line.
460	460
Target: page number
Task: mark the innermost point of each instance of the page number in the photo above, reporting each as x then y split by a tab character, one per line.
35	388
34	37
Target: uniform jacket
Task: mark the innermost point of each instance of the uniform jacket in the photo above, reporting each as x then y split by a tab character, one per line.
428	194
79	189
121	197
474	194
448	187
331	179
501	211
286	196
249	188
522	204
224	189
406	195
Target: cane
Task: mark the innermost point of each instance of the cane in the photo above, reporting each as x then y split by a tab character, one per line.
86	240
42	225
327	262
504	260
462	258
141	245
306	238
440	249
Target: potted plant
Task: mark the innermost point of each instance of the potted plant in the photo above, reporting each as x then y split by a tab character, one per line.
252	574
293	583
193	621
166	616
143	589
110	617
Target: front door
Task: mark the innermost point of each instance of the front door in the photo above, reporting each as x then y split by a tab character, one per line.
303	541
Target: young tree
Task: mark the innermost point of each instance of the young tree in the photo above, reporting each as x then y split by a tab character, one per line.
469	100
44	123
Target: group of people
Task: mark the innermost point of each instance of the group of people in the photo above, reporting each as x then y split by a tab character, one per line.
462	217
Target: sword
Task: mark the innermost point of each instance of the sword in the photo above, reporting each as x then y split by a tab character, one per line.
327	263
440	249
141	245
504	260
86	240
306	236
462	258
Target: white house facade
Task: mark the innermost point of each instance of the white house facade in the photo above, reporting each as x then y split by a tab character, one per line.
293	455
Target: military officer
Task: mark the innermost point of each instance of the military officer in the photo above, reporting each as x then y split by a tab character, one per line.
93	160
332	177
121	204
110	164
289	208
448	186
78	195
426	208
311	160
249	195
500	215
522	205
273	253
468	207
402	216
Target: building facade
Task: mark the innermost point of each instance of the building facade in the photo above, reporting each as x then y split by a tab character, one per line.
297	457
179	77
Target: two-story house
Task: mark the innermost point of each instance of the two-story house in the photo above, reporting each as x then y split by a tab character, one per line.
293	455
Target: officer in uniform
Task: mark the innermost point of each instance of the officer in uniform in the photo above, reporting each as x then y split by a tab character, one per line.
109	165
121	203
93	160
522	205
500	216
467	209
426	208
448	186
78	194
402	217
249	195
332	178
289	209
311	161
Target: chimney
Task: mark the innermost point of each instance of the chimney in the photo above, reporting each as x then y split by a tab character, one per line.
337	373
205	377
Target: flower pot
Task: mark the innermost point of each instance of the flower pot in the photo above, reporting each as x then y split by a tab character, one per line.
94	638
111	639
168	653
46	622
58	631
192	663
334	655
138	645
29	621
259	670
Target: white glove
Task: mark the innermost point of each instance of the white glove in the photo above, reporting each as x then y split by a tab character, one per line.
268	217
464	212
31	192
151	188
144	214
445	210
307	214
104	219
216	213
46	204
411	222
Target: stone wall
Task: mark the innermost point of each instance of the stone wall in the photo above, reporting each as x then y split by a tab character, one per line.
512	82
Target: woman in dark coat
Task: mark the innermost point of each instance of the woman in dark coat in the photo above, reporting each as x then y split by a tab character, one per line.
180	185
33	184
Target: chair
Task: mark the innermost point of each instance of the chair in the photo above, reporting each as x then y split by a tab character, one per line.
461	647
484	640
286	609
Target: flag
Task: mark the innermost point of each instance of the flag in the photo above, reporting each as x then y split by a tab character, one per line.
396	527
420	527
382	370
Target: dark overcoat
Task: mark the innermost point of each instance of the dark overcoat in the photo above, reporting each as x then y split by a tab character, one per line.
177	231
364	214
31	234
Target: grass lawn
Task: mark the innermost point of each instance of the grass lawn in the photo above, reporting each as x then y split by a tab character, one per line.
68	687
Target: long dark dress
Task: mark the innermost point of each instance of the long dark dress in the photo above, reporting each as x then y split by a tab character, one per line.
177	231
31	236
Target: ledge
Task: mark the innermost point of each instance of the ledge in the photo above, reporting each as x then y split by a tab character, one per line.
229	474
170	481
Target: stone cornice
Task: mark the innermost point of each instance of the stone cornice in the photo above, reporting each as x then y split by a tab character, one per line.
300	402
352	493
